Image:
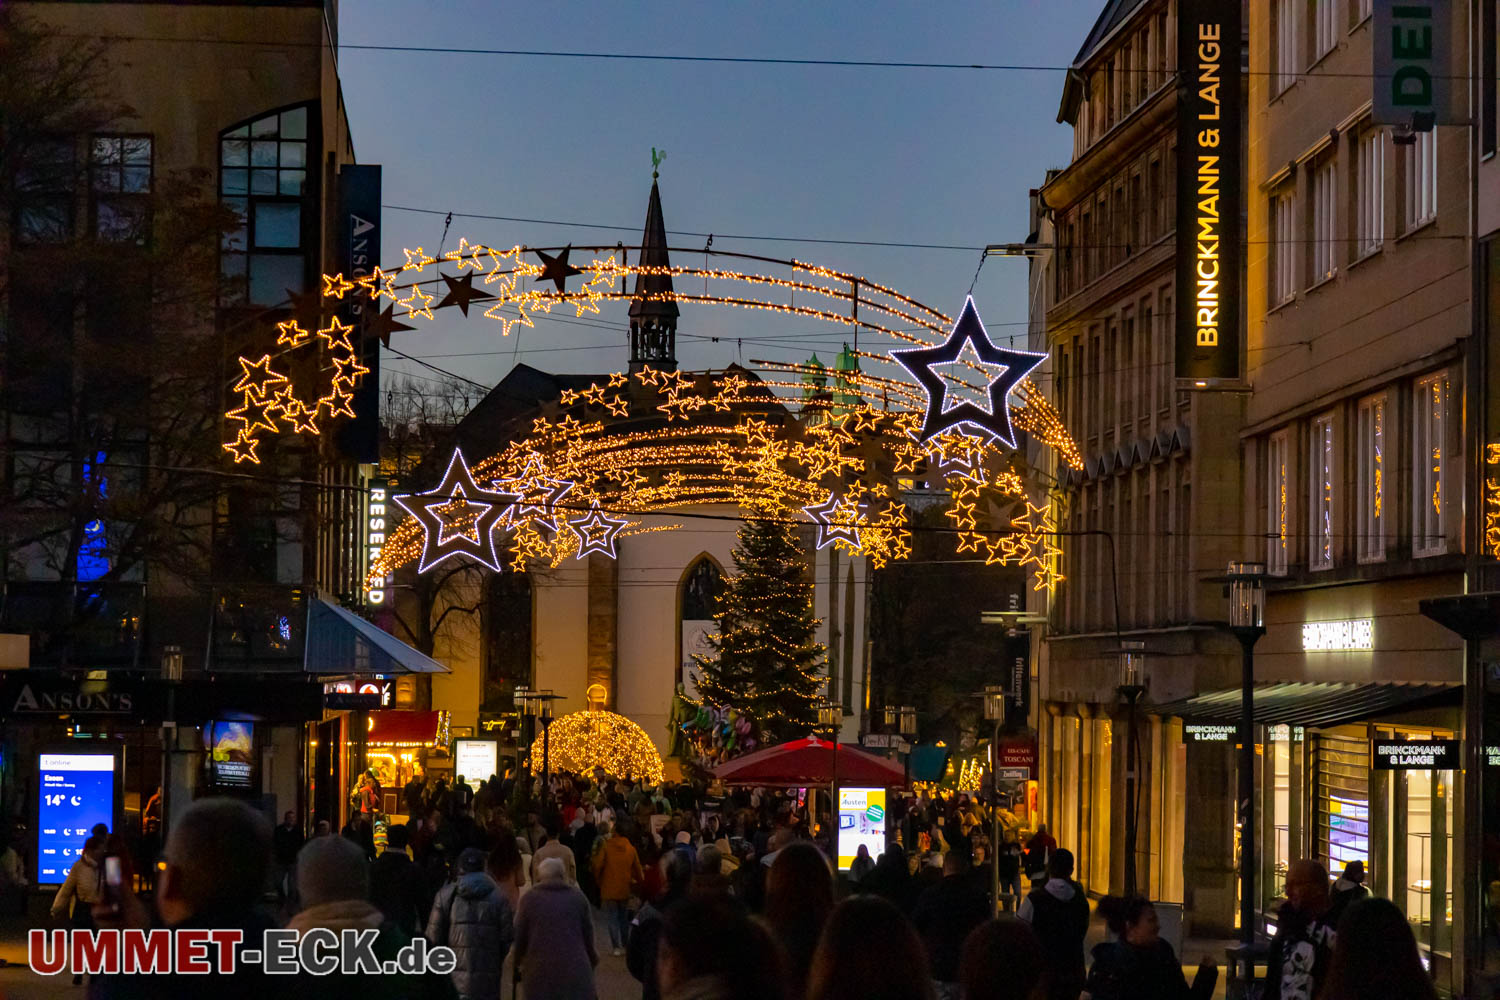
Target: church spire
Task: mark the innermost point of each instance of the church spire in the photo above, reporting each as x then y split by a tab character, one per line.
653	322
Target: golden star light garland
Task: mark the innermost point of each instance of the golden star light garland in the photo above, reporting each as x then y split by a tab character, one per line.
772	444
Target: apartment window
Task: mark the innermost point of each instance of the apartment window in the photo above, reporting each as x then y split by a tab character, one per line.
1278	487
1325	31
1324	201
1429	429
1284	261
1162	56
1127	81
44	188
263	176
1369	193
1421	180
120	187
1139	225
1152	216
1371	481
1321	480
1361	9
1286	42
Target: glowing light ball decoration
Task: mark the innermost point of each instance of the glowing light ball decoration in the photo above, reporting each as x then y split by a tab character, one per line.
582	741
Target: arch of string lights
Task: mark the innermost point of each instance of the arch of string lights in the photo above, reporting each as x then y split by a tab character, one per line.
783	444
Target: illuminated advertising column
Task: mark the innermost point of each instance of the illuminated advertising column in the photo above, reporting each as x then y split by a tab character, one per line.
861	821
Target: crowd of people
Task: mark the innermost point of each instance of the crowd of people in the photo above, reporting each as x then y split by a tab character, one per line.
709	895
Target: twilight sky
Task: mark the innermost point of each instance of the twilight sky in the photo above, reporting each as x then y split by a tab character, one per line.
896	155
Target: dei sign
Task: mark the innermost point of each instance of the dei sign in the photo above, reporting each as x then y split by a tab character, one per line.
1209	183
1413	43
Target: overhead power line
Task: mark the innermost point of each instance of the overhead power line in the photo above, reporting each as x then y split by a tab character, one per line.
455	50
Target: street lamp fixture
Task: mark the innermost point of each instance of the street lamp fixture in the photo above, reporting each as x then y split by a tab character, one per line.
994	697
1246	586
890	715
908	721
1132	686
830	715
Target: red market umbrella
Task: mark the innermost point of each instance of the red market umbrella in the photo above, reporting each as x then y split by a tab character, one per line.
811	762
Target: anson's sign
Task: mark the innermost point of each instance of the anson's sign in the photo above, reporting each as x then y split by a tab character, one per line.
1209	193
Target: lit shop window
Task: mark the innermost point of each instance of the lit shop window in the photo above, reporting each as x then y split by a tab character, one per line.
1429	429
1277	476
1372	503
1322	478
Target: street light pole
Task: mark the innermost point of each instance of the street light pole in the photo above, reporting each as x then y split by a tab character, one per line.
1247	603
1132	686
994	711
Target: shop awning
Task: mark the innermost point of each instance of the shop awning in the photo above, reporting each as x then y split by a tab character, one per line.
1312	704
341	642
403	729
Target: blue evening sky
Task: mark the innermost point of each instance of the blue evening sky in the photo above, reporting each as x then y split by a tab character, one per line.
899	155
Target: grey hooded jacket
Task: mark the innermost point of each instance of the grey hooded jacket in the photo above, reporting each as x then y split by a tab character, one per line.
473	917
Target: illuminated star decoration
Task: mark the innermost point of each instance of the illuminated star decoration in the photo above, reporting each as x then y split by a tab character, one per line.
458	517
557	269
942	414
597	531
536	493
830	530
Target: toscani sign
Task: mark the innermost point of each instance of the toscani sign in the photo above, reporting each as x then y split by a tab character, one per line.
1209	186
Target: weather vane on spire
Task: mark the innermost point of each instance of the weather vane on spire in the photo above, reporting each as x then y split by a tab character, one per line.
656	157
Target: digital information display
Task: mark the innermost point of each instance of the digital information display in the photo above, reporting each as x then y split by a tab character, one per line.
861	821
75	791
476	760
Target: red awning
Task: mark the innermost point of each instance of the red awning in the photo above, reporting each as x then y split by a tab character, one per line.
402	728
812	761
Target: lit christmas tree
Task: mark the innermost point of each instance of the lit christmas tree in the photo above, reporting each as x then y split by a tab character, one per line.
767	657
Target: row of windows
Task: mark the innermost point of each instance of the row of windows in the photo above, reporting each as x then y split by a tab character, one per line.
1140	64
1134	209
1113	379
1307	30
1357	472
1310	234
117	173
1145	559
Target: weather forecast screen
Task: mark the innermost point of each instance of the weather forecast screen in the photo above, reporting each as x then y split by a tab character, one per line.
76	791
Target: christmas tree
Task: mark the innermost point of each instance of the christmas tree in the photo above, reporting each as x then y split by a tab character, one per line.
766	654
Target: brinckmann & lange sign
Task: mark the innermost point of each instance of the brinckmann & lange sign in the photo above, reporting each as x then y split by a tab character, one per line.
1209	185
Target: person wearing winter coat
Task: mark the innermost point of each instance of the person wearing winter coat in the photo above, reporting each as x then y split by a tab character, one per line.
473	917
1305	940
398	886
1139	965
1059	913
555	938
617	868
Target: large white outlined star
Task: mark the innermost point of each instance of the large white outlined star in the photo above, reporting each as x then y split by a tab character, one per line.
942	414
458	517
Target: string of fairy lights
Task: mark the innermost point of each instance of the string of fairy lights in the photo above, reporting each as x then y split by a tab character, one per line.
777	441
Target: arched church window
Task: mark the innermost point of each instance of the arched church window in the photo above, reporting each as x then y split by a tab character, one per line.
507	639
701	587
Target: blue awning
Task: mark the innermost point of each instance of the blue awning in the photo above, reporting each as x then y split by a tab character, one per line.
341	642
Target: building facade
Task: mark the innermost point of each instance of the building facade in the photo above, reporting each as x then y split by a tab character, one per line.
1359	313
1145	520
191	176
